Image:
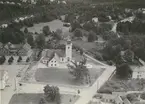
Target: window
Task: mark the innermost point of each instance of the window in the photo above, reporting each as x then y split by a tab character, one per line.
68	47
68	59
55	64
62	59
51	64
55	61
51	61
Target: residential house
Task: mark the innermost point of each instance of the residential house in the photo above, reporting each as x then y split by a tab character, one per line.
115	99
15	49
3	79
138	72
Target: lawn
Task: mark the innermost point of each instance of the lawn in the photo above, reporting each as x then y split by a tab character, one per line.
54	25
34	99
62	76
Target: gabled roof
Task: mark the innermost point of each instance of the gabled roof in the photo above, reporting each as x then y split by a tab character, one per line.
60	53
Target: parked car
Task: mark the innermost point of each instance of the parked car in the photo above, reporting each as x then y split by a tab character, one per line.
66	24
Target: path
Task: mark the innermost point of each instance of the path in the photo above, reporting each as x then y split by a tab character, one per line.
88	94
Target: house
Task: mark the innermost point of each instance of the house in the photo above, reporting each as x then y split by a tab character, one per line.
138	72
4	25
110	98
10	49
3	79
95	20
56	57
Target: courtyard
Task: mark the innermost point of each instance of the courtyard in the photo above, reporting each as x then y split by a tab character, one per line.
62	76
34	98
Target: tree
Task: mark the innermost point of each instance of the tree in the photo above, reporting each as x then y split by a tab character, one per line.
46	30
19	59
56	36
129	55
13	35
10	60
2	59
59	31
123	71
78	33
143	96
51	93
79	71
25	30
42	101
92	36
132	97
28	59
75	25
40	41
30	40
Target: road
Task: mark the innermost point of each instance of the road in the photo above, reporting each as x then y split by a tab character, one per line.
87	95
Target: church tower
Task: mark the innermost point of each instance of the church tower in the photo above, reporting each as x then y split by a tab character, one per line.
68	50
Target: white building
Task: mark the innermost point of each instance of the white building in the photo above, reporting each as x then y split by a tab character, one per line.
53	58
3	79
115	99
138	72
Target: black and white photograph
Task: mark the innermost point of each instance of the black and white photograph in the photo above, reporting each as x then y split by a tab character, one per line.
72	51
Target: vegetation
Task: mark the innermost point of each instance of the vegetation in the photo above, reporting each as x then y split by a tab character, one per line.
51	93
46	30
79	71
143	96
12	35
10	61
19	59
2	60
123	71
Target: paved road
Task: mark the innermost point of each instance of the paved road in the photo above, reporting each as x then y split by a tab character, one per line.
87	95
38	88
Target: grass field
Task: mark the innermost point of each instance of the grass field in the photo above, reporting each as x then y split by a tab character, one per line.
54	25
34	99
62	76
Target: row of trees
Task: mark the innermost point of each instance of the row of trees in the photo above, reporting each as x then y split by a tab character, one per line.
11	59
137	26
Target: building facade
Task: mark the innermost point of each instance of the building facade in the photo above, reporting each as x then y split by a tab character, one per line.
138	73
53	58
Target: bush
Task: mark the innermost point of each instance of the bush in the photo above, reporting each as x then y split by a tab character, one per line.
106	90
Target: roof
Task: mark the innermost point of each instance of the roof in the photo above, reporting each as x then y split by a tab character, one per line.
2	72
126	101
50	53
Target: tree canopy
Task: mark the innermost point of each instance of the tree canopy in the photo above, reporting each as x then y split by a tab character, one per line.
12	35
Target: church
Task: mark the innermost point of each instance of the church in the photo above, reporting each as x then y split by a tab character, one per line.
56	57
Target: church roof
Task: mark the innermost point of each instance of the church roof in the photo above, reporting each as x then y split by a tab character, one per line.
50	53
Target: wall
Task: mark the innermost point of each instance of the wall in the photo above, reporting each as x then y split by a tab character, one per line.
53	63
139	75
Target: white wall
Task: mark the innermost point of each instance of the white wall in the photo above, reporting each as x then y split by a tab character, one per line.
53	63
139	75
68	50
